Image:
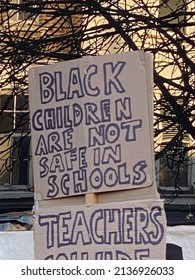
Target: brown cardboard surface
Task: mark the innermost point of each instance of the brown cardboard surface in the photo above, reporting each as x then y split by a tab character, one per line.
91	122
123	230
93	157
105	197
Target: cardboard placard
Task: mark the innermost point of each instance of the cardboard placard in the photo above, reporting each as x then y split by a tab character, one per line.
112	231
91	125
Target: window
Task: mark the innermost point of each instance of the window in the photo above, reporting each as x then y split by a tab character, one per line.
14	142
24	13
175	168
14	115
15	161
171	12
23	10
20	161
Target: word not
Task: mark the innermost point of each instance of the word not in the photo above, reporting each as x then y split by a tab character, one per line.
97	136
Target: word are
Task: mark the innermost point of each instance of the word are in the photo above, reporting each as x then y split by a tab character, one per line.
97	136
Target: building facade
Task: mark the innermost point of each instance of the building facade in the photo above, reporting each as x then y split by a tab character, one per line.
36	33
